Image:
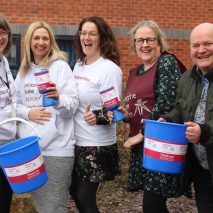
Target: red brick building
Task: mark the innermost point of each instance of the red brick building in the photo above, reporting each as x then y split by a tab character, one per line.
175	17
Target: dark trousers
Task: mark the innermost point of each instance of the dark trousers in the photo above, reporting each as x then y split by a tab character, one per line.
5	194
154	203
84	194
203	189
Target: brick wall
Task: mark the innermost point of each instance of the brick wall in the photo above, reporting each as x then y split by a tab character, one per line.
169	14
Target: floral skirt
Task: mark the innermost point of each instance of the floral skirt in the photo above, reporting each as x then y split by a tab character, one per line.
167	185
96	163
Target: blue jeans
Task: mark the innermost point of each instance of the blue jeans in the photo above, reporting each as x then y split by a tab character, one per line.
203	190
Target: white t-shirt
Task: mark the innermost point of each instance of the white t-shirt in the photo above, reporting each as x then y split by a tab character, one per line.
91	80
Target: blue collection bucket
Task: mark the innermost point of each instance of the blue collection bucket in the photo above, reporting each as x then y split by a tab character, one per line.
165	146
22	163
46	102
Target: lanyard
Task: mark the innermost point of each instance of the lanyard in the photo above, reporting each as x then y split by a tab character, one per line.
5	82
4	70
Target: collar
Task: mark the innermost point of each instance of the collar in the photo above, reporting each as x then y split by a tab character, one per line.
196	73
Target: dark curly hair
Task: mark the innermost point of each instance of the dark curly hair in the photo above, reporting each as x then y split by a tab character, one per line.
108	45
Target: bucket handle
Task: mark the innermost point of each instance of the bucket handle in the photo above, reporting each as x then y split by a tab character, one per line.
21	120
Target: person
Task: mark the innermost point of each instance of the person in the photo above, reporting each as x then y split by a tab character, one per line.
7	106
193	107
156	79
96	152
54	123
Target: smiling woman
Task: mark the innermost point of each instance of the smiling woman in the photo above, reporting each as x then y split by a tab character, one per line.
90	40
156	79
147	46
4	40
7	108
40	44
54	123
96	153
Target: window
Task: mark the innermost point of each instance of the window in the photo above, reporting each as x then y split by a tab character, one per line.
14	55
66	44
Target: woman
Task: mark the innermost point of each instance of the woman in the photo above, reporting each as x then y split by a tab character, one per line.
7	108
54	123
96	153
156	79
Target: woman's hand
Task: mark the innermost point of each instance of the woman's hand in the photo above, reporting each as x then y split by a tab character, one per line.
52	92
124	111
133	140
193	132
89	116
39	115
110	114
161	120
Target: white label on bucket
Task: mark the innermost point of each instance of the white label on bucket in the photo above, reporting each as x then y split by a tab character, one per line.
109	97
42	79
164	150
25	171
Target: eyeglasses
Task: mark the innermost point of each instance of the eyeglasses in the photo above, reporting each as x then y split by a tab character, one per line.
3	33
91	34
150	41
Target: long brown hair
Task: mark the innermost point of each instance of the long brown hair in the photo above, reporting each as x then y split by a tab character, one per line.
108	45
5	26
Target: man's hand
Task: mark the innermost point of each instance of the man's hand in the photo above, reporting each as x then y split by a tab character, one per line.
193	132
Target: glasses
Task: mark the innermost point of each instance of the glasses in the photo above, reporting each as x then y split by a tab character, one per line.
150	41
3	33
91	34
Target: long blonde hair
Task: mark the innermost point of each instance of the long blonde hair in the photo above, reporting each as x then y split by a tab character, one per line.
28	55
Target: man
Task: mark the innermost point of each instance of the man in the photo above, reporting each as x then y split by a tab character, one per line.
194	107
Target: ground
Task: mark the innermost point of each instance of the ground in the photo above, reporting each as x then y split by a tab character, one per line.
113	196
